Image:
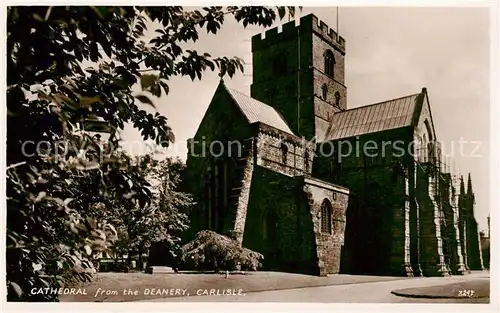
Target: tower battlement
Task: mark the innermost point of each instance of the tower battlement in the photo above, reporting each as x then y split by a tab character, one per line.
290	30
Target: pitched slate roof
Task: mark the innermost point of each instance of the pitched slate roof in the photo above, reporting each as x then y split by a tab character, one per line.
373	118
256	111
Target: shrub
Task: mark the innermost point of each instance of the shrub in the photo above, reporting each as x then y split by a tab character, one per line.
212	251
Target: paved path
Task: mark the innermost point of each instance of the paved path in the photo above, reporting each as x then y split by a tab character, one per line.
371	292
479	288
124	287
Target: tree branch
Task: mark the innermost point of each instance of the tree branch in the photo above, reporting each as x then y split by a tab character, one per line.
16	165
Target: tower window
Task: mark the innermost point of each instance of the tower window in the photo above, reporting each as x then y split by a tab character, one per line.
329	63
326	217
306	160
324	91
337	98
279	64
284	152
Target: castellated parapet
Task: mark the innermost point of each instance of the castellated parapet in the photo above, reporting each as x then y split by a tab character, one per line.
290	30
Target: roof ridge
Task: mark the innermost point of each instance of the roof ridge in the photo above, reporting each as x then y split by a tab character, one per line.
389	114
381	102
244	94
229	90
256	113
270	106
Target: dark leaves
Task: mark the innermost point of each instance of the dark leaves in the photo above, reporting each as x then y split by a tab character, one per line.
85	102
147	80
227	253
144	99
155	90
57	201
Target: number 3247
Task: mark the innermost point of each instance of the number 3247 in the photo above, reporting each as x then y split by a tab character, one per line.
466	293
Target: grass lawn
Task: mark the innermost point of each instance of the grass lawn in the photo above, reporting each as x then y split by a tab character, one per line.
149	286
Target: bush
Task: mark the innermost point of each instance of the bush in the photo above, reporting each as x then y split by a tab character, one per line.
212	251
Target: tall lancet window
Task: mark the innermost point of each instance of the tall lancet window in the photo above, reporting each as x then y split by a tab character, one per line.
326	217
324	91
217	194
329	63
337	99
284	152
306	160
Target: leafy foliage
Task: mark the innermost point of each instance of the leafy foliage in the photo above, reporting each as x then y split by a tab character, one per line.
210	250
162	220
52	231
62	180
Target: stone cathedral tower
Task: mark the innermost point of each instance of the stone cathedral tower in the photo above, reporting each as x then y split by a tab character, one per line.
299	70
370	214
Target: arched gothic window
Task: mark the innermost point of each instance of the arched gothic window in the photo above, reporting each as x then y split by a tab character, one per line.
324	91
284	152
329	63
306	160
326	217
337	98
217	188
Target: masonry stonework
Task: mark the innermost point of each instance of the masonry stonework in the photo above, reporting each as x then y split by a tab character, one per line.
474	253
451	246
329	244
297	91
303	191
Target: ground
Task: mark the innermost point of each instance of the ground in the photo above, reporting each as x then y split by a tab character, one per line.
478	289
361	292
285	287
193	282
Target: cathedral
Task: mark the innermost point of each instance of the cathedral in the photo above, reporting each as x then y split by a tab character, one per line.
285	171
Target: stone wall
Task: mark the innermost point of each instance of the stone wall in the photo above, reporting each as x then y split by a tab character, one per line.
430	215
378	203
451	247
454	201
282	152
462	224
413	167
429	202
284	214
329	244
243	196
289	91
275	150
296	91
222	122
325	108
280	224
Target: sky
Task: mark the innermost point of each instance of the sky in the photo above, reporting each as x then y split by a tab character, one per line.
391	52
